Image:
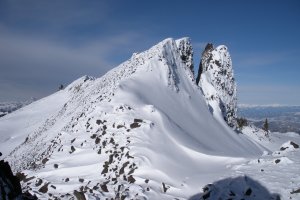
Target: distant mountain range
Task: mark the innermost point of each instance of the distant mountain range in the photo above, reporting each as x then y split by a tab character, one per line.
8	107
281	118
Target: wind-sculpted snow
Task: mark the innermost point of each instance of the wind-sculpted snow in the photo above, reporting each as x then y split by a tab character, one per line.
141	131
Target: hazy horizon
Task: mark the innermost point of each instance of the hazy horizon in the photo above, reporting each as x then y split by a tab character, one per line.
45	44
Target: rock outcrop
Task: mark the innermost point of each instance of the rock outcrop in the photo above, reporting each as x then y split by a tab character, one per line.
10	187
206	55
186	52
215	77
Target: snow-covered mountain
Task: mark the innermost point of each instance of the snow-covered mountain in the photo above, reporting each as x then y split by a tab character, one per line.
144	130
216	79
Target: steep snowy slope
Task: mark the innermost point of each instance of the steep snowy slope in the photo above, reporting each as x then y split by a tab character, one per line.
216	79
8	107
141	131
15	127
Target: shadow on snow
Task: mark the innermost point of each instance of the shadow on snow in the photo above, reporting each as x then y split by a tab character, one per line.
242	187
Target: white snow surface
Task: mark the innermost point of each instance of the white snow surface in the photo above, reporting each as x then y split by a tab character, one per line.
141	131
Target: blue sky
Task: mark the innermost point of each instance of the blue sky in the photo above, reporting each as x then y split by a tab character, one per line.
45	43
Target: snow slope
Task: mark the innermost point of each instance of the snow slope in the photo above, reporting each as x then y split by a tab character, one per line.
278	170
141	131
8	107
16	126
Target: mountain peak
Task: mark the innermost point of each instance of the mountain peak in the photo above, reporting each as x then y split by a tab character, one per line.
186	52
209	47
121	135
216	78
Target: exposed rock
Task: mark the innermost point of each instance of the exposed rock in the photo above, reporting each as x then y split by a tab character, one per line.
81	180
215	77
205	57
45	160
105	168
28	179
130	179
97	141
134	125
10	187
72	149
123	167
21	176
296	146
283	148
164	187
186	52
79	195
248	192
95	187
38	182
289	146
120	126
94	136
295	191
44	188
99	121
138	120
104	188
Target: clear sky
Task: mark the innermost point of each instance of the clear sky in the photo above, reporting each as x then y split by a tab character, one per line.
45	43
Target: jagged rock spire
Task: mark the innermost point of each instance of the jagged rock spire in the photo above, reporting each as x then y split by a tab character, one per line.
216	78
206	55
186	52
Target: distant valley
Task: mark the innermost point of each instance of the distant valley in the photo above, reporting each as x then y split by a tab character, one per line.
281	118
8	107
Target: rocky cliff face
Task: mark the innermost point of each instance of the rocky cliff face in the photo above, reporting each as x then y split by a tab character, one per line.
10	187
206	55
216	78
186	52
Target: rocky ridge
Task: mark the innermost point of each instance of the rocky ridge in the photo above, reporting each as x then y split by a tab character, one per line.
120	136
